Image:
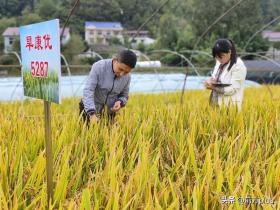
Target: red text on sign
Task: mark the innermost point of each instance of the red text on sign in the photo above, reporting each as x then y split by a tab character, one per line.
38	42
39	68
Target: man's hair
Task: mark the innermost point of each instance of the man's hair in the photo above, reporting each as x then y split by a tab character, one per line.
127	57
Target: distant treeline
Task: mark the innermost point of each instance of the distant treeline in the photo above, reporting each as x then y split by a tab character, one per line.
177	26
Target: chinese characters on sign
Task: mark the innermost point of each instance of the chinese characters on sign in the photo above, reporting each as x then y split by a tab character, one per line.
39	68
39	43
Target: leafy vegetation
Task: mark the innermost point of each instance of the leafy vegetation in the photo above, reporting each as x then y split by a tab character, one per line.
177	26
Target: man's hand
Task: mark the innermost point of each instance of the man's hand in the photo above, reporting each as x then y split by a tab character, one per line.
116	107
93	119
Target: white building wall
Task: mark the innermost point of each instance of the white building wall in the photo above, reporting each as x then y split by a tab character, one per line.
7	45
92	33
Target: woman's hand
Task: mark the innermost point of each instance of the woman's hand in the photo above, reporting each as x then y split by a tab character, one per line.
208	83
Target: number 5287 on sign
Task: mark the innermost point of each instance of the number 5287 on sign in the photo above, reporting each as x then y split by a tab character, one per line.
39	68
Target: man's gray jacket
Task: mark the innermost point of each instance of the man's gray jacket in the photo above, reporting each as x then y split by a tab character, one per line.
103	86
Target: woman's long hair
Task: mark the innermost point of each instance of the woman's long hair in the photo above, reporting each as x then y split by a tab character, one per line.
225	46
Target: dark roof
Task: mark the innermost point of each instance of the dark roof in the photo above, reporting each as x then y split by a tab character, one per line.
11	31
271	35
115	25
262	65
138	33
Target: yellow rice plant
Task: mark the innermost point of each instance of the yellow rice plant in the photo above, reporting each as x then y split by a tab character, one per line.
157	154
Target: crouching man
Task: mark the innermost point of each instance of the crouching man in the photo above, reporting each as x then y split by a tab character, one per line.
107	87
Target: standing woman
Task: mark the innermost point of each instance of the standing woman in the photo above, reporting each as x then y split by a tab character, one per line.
229	70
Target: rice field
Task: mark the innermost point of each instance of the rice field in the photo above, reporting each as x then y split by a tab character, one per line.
41	87
157	155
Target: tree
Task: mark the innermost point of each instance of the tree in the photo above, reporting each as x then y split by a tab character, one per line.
28	17
107	10
168	38
134	13
239	24
141	47
277	27
74	47
47	9
276	45
258	45
16	45
270	9
9	7
204	14
176	26
115	41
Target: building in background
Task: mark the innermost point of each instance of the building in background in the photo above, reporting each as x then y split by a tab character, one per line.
11	34
142	37
272	36
102	32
